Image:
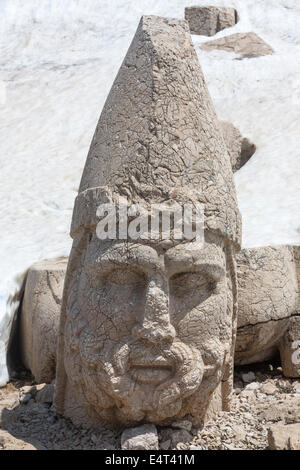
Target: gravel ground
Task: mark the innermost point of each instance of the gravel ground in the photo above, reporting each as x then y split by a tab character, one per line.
262	397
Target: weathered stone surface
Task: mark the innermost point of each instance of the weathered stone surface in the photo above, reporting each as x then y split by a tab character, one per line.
148	326
178	436
284	437
207	21
268	296
240	148
268	388
9	442
140	438
246	44
45	394
182	424
40	317
289	345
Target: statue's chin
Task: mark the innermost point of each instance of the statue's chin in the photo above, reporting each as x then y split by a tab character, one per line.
148	407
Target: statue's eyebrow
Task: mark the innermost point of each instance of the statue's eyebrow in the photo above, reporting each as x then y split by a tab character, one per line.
115	258
187	262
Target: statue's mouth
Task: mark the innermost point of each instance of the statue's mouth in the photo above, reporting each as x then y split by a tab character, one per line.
148	371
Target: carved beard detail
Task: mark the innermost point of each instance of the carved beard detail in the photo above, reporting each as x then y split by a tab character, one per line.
141	382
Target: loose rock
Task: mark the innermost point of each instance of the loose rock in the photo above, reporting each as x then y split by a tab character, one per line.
140	438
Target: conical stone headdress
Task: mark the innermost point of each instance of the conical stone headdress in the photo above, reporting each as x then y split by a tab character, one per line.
158	137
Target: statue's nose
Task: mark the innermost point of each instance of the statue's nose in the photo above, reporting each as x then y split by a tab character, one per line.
155	324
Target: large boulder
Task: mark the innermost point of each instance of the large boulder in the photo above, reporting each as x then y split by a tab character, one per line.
246	44
40	315
207	21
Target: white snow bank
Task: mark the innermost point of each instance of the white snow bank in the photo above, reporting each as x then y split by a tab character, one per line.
57	63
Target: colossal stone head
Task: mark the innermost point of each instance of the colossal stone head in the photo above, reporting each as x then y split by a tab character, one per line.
148	326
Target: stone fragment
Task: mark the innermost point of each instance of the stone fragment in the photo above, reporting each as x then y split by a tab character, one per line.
284	437
252	386
248	377
247	44
165	445
25	399
140	438
240	148
207	21
40	317
239	433
268	388
180	436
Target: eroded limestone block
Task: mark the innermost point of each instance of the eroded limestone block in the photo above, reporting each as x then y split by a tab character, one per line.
240	148
268	303
40	317
147	326
207	21
246	44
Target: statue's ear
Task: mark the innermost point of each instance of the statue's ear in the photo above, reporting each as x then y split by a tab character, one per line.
239	148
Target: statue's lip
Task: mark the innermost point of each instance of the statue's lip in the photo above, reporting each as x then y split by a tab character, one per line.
145	362
150	372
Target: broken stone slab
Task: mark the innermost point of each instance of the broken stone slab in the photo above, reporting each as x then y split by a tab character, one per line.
207	21
247	44
240	148
284	437
143	437
40	317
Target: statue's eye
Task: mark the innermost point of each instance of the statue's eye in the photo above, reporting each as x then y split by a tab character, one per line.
124	276
184	283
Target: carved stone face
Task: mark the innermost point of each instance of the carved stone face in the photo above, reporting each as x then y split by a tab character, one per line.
149	328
